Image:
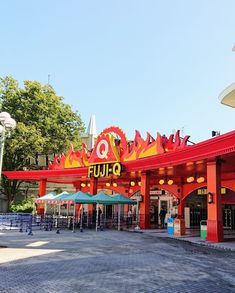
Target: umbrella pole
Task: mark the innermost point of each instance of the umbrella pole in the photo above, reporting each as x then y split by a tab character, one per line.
105	212
68	214
87	220
45	212
97	215
119	216
81	218
137	215
45	209
74	214
88	215
57	219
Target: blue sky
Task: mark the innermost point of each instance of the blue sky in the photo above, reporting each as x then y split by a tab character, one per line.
146	65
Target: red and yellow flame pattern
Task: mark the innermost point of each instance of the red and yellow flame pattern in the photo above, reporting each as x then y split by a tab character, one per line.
121	150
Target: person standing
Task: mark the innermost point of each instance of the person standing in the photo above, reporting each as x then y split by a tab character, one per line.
129	217
162	216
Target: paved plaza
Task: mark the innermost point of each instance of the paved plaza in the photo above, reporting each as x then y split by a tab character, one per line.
111	261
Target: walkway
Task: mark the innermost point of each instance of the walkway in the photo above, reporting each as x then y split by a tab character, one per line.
193	236
111	261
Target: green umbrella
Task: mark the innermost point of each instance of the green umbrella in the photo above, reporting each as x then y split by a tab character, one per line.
45	197
57	198
102	198
80	197
121	199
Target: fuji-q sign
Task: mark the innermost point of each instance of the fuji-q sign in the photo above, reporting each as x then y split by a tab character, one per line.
102	149
104	160
104	170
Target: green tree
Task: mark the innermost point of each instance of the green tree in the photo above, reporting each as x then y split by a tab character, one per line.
45	125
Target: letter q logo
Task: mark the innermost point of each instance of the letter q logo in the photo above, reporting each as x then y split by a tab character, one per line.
102	149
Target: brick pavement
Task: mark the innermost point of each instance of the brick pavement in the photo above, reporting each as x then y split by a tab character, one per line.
112	261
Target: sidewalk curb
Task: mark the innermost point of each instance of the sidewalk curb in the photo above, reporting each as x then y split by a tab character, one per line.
214	246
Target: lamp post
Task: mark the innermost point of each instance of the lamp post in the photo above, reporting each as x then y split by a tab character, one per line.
7	124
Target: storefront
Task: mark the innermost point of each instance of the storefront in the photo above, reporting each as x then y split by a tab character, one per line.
148	165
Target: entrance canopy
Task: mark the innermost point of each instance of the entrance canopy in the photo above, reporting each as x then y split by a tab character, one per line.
127	167
169	159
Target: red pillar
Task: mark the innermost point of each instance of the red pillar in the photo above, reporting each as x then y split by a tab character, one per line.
41	192
215	231
77	186
93	186
93	190
42	187
145	204
181	207
181	202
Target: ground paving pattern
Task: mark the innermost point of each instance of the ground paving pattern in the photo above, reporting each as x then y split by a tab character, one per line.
111	261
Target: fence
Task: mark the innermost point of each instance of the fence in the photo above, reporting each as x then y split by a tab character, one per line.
27	223
16	221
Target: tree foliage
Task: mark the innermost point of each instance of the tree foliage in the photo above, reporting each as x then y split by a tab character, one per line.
45	125
26	206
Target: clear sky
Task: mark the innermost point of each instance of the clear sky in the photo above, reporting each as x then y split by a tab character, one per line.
149	65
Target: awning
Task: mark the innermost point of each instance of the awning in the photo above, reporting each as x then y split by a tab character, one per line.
78	197
121	199
57	199
45	197
102	198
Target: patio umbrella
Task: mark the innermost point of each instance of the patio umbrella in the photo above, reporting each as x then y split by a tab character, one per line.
80	198
121	199
57	199
102	198
41	199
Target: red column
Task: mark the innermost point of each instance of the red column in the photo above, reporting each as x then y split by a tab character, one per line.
41	192
215	231
181	201
93	186
77	186
42	187
145	204
181	207
93	190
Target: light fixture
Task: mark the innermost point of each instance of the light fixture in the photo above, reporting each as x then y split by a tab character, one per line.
107	184
114	184
132	183
190	179
200	179
83	184
7	124
88	184
170	182
161	181
210	197
139	183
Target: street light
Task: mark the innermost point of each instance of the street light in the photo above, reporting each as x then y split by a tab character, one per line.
6	126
